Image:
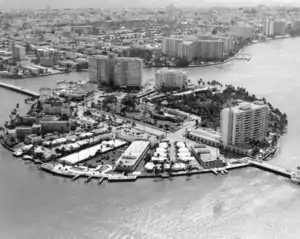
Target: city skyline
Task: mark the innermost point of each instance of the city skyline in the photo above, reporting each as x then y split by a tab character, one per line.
34	4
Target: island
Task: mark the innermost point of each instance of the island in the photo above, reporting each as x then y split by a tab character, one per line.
117	134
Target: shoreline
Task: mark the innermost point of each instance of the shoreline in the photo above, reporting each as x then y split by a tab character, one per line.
229	59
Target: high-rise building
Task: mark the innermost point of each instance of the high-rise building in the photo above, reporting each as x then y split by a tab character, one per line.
268	27
242	31
170	79
244	122
170	46
280	27
228	41
296	25
116	71
186	50
99	70
18	53
128	72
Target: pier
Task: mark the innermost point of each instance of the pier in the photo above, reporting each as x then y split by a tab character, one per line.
19	90
270	168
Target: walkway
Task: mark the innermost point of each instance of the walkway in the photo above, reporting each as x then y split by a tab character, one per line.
271	168
19	89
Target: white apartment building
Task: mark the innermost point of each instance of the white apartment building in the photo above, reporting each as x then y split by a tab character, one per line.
186	50
268	27
244	122
128	72
170	79
280	27
170	46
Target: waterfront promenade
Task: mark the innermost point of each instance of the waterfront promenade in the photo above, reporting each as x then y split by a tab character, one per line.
19	90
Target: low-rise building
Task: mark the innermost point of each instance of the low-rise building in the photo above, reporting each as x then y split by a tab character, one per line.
170	79
55	125
132	156
205	158
22	131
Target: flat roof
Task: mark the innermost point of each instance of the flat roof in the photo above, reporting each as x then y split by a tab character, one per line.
133	152
249	106
86	153
136	148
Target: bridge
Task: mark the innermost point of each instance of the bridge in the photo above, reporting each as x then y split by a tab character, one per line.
270	168
19	90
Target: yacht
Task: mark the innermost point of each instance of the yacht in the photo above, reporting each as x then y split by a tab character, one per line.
18	153
121	177
295	176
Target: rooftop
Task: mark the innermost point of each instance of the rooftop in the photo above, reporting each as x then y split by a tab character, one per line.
247	106
133	152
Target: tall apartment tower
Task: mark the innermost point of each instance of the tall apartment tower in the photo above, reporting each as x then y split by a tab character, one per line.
101	69
18	52
244	122
170	46
116	71
268	27
128	72
280	27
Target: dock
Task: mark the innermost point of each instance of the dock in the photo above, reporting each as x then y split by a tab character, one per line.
88	179
76	177
19	90
101	181
270	168
214	171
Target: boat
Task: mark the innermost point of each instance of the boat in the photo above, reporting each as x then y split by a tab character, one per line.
27	157
165	175
121	178
215	171
295	177
18	153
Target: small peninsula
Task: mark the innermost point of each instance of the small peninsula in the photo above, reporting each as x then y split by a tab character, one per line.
161	130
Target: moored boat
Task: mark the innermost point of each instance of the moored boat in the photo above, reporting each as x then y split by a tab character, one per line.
18	153
121	177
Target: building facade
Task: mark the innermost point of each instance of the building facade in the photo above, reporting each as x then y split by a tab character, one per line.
18	53
268	27
116	71
98	69
280	27
170	79
170	46
244	122
242	31
132	156
128	72
296	25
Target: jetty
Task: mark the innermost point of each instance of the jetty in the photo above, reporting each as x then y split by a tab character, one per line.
76	177
19	90
270	168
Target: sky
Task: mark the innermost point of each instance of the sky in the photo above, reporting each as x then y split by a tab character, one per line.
25	4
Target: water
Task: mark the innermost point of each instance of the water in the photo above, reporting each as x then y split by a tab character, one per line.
247	203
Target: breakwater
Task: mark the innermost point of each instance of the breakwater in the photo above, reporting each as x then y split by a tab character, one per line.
19	90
